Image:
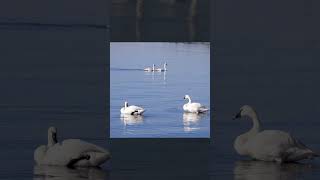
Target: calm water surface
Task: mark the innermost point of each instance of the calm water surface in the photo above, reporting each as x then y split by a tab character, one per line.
160	93
282	85
47	82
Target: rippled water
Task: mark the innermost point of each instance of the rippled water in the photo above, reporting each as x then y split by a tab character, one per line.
160	93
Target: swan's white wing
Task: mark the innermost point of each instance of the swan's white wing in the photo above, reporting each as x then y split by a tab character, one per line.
203	109
127	110
136	110
77	145
192	107
271	145
75	149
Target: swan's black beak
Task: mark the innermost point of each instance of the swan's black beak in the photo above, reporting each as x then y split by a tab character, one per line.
237	116
184	97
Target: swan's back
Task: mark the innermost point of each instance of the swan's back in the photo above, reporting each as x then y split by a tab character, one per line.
63	153
132	110
270	145
97	154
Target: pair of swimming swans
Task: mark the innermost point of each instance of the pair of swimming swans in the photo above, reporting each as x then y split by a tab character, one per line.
190	107
151	69
269	145
70	152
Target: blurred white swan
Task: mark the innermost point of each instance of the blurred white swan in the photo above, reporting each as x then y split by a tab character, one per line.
128	119
150	68
70	152
164	68
269	145
193	107
64	173
131	110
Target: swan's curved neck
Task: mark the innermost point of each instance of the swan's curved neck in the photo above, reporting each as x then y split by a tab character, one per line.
240	142
189	99
165	66
256	123
52	139
153	67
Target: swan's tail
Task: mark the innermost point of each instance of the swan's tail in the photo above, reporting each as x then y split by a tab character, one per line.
203	109
297	154
138	112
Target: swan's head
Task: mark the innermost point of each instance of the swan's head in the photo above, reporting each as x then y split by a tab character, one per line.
245	110
125	104
52	136
186	97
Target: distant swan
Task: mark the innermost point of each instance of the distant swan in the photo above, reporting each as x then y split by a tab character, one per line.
150	69
71	152
193	107
269	145
131	110
164	68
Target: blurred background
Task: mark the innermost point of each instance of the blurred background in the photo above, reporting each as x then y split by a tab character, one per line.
160	20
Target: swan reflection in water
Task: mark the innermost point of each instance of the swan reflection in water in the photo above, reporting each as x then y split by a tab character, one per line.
253	170
154	74
128	119
64	173
191	121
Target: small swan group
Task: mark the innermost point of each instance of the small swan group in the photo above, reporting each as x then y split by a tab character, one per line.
190	107
269	145
70	152
152	69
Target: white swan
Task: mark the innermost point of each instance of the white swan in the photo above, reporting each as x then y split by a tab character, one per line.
164	68
269	145
150	68
131	110
71	152
193	107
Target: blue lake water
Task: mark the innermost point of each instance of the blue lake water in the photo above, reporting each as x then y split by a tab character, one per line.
160	93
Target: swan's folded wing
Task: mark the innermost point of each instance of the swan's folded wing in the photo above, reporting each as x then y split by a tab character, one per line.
76	149
269	144
79	146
